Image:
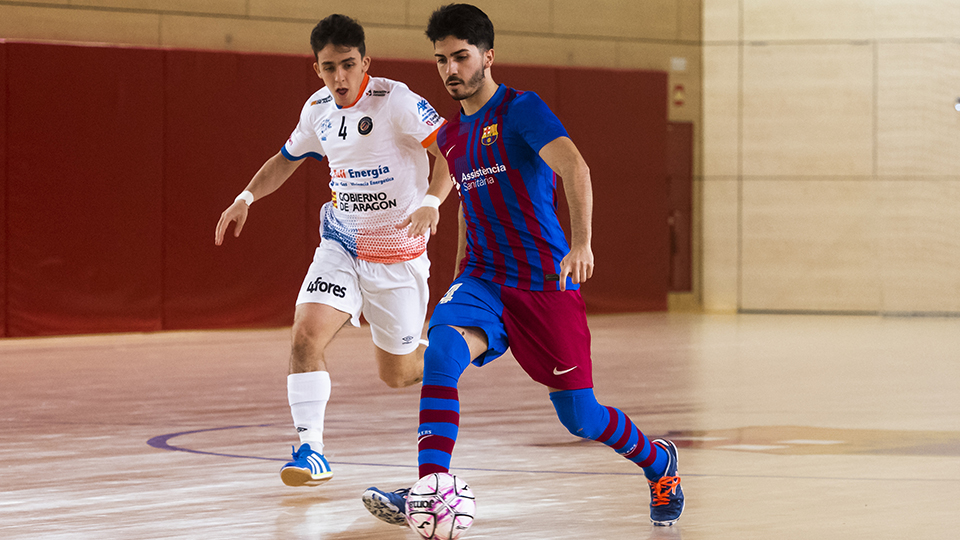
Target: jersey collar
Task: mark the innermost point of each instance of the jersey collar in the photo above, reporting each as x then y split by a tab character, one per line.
494	100
363	87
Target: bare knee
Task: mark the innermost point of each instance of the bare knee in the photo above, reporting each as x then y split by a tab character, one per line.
397	380
314	326
306	351
400	371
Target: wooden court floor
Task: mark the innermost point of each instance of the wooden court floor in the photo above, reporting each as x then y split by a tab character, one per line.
790	427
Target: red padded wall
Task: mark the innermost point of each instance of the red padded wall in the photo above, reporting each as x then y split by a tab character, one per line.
84	166
226	113
3	188
118	163
622	136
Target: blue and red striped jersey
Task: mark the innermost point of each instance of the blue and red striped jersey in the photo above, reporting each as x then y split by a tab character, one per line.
507	192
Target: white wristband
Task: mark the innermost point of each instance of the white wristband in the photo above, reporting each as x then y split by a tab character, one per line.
246	197
431	201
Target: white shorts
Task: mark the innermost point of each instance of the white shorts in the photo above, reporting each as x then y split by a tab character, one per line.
392	297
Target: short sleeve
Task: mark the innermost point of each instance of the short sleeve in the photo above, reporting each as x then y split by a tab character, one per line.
535	122
416	117
303	142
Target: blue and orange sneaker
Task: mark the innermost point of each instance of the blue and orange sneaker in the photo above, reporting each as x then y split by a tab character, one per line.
389	506
666	495
308	468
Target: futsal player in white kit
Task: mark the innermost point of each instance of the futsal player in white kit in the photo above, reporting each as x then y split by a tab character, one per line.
372	257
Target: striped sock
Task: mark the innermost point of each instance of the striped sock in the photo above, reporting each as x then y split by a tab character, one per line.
443	362
628	441
439	425
583	416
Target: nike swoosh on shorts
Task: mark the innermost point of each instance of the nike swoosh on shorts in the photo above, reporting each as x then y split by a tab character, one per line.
555	372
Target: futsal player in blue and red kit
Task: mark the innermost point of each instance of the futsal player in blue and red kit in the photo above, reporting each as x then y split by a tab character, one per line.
519	280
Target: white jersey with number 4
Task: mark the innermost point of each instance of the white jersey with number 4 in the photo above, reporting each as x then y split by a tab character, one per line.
378	165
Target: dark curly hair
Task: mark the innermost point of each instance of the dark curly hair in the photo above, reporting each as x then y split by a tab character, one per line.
462	21
341	31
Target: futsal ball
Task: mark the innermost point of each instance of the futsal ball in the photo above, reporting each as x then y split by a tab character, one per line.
440	506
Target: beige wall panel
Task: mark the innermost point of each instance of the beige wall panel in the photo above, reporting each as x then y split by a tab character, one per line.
777	20
810	245
918	19
642	19
808	110
506	15
920	247
721	108
366	11
56	24
918	127
235	34
720	243
225	7
691	25
721	20
516	49
653	56
64	3
406	43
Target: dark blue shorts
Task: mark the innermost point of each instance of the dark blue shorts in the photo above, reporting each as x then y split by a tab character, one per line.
546	330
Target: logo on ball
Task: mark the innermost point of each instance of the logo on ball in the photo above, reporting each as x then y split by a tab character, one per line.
440	506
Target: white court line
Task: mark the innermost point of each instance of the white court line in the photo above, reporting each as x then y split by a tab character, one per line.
751	447
810	441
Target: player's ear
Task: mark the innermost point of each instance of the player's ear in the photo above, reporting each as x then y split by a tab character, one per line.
316	67
365	63
488	58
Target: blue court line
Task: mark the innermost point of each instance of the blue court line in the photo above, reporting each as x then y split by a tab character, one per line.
161	442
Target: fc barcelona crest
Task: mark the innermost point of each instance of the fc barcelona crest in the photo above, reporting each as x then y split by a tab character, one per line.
489	135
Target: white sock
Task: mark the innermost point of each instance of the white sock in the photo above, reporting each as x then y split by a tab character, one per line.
308	394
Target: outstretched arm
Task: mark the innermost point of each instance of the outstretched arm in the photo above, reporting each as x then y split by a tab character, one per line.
274	172
427	217
563	157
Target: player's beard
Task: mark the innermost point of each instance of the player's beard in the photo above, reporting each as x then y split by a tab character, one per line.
468	88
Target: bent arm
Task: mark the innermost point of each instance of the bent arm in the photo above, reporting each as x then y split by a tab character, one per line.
426	218
274	172
440	182
564	158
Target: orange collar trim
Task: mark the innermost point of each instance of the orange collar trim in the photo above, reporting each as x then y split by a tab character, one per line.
363	86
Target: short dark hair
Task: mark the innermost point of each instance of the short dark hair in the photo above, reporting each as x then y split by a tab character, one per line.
461	21
341	31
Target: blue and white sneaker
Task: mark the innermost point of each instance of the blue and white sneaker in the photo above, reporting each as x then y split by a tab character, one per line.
308	468
387	506
666	495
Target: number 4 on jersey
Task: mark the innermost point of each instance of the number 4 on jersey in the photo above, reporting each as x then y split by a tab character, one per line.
343	128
